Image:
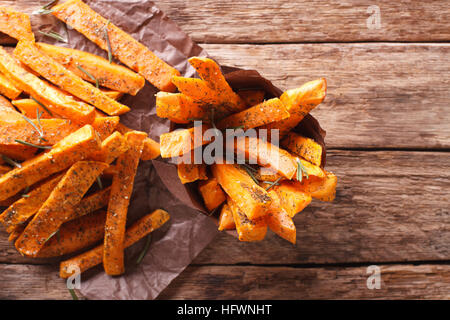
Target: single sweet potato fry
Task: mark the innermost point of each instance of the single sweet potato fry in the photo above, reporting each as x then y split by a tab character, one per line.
303	147
151	147
75	147
248	230
190	172
115	95
279	221
109	75
292	198
7	111
210	72
122	186
179	108
24	208
8	89
256	116
320	188
28	108
111	148
182	141
89	204
75	235
16	233
137	231
15	24
226	220
54	130
56	209
55	100
29	54
299	102
252	97
267	155
124	47
253	200
212	194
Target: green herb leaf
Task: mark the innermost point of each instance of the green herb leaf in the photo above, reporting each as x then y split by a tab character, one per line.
108	42
31	144
250	173
50	236
300	171
271	184
11	162
34	126
144	252
99	182
88	74
73	294
54	35
43	106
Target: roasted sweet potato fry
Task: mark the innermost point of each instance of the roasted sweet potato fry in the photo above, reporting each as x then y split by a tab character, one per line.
29	54
75	235
190	172
210	72
15	24
137	231
105	126
55	100
256	116
53	131
212	194
179	108
267	155
303	147
115	95
111	148
75	147
24	208
56	209
252	97
89	204
109	75
320	188
248	230
299	102
226	220
179	142
266	174
28	108
279	221
253	200
8	89
122	46
7	111
122	186
151	147
292	198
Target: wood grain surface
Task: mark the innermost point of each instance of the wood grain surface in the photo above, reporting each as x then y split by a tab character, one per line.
387	121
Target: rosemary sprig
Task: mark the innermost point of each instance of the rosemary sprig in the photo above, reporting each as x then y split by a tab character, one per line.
50	236
41	133
25	195
108	42
300	171
25	192
31	144
250	173
271	184
54	35
73	294
45	9
88	74
11	162
144	252
99	182
43	106
249	167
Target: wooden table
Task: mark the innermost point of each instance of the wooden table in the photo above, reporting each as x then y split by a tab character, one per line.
388	133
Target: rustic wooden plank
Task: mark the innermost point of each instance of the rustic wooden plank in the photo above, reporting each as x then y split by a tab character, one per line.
390	206
380	95
250	282
247	282
255	21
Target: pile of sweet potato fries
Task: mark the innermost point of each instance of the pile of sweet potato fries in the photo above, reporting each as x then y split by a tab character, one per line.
65	156
272	183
